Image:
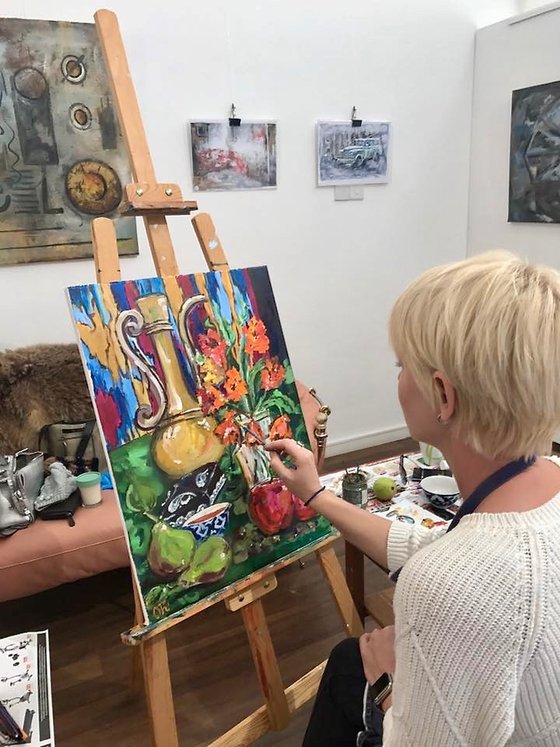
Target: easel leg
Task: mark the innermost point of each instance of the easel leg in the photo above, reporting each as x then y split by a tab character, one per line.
159	696
335	578
266	665
136	674
354	560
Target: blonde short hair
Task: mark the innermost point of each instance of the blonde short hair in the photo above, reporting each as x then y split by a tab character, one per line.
491	323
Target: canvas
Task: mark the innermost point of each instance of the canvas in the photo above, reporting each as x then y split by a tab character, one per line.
233	158
353	155
534	172
185	372
62	157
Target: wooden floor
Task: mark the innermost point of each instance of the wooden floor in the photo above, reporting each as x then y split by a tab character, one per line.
214	683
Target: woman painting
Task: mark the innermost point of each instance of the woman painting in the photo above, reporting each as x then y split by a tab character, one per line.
475	652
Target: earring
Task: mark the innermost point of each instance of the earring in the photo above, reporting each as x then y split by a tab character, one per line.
441	421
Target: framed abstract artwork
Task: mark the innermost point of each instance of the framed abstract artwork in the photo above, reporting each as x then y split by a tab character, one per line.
534	167
353	155
233	158
62	157
187	375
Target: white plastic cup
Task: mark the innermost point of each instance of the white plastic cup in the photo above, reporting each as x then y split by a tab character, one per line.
89	484
430	455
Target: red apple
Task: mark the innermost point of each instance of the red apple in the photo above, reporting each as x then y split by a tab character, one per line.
271	506
303	512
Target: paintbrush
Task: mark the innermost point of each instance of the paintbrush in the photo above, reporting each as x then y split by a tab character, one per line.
9	728
284	458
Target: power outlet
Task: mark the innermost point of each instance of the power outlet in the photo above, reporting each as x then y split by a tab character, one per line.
350	192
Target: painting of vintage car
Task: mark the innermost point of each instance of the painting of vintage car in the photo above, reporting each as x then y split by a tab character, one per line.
356	155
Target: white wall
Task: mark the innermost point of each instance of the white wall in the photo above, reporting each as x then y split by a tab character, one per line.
336	267
509	55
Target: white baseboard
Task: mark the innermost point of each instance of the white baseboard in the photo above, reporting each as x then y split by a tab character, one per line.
347	444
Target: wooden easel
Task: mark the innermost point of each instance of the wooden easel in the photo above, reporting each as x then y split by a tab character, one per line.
154	201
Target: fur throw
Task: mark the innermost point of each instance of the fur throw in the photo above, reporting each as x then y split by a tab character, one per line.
40	384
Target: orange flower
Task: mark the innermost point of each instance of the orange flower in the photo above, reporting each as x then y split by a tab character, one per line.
211	399
250	440
228	430
256	339
214	347
280	428
235	386
272	374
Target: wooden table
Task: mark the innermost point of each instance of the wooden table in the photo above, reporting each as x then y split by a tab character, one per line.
379	605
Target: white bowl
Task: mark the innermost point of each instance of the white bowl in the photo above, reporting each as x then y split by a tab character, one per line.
440	490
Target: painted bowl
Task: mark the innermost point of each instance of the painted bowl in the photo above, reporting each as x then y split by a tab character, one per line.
440	490
210	521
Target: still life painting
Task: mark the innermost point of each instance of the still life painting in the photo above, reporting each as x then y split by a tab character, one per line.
62	156
188	375
534	172
353	155
233	158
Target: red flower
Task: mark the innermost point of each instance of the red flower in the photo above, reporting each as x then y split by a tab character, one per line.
235	386
256	339
250	440
228	430
211	399
214	347
280	428
272	374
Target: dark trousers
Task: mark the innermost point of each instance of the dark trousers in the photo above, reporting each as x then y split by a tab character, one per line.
338	713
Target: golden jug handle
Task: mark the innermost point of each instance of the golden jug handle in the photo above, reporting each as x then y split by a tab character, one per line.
185	333
131	323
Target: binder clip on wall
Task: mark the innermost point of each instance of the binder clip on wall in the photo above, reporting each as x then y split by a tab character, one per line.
355	121
233	120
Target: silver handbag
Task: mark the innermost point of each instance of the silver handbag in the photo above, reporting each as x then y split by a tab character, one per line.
21	477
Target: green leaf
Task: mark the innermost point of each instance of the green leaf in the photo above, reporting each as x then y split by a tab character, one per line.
239	507
300	433
254	379
277	400
140	499
289	377
241	307
139	533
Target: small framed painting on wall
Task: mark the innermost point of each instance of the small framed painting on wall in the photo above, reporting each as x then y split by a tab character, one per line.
226	158
347	154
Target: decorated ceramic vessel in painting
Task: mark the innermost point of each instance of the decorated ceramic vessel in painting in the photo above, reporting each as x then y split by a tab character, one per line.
210	521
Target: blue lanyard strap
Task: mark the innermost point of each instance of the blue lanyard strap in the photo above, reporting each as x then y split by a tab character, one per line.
492	483
482	491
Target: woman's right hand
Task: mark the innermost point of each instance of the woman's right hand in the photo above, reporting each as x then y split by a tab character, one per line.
303	480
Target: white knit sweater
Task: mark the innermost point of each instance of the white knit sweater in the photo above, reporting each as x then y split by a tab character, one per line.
477	632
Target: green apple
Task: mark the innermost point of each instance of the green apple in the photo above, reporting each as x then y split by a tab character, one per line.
384	488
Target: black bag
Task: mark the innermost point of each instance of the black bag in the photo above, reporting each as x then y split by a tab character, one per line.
77	445
63	510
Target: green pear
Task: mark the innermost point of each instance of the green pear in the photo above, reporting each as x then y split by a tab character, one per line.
210	562
171	550
384	488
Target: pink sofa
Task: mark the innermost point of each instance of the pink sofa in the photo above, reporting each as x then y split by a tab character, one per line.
50	553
